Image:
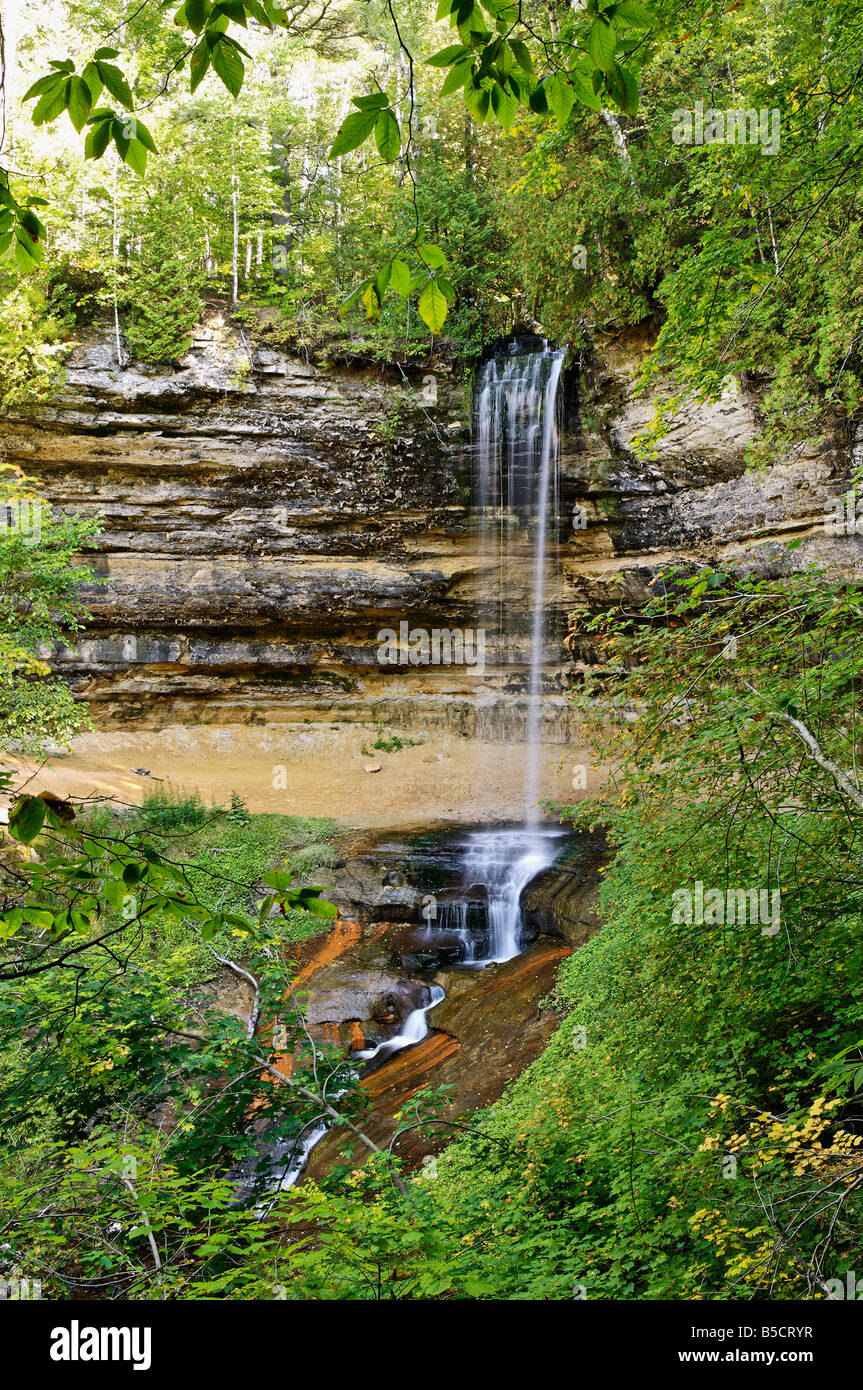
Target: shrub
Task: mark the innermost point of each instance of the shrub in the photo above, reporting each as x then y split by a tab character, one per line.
162	300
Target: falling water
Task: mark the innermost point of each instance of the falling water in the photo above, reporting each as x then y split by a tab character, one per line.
413	1030
497	865
516	490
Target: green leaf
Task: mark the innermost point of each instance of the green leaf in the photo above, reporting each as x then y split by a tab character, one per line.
232	9
53	81
477	100
387	137
371	302
98	140
638	15
79	102
280	879
400	278
431	254
433	306
115	83
26	818
470	19
623	86
354	296
504	105
106	53
38	917
259	13
453	53
10	922
134	874
375	101
319	907
381	281
353	131
457	77
27	252
199	64
143	134
538	99
93	80
521	53
228	64
601	43
447	287
122	133
136	157
196	12
585	92
50	106
561	96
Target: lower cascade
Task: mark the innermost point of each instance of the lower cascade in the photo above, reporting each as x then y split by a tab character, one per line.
413	1030
497	865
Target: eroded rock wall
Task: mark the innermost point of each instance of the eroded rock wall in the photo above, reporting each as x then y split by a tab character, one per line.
265	518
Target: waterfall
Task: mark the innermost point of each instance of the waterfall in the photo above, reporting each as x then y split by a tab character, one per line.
496	866
516	490
413	1030
516	494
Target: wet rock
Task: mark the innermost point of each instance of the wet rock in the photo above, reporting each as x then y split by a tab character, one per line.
428	948
483	1034
563	901
358	980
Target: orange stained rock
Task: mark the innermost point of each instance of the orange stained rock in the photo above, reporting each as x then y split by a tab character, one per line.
343	935
411	1067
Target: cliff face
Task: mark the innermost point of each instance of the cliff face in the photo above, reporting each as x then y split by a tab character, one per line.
265	518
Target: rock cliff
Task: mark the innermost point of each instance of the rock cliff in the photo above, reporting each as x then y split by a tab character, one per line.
265	518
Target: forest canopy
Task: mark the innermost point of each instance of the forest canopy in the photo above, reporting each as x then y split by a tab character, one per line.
322	164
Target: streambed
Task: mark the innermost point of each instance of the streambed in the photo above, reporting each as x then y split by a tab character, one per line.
440	984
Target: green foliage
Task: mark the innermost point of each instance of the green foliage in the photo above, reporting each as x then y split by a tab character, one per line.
238	814
31	347
162	811
127	1084
162	299
40	577
388	743
21	232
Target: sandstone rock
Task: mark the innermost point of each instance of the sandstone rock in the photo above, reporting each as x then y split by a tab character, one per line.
486	1031
259	535
563	901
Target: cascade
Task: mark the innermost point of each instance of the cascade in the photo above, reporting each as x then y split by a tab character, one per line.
516	493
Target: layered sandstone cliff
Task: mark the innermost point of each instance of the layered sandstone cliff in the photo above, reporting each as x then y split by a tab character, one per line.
266	517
